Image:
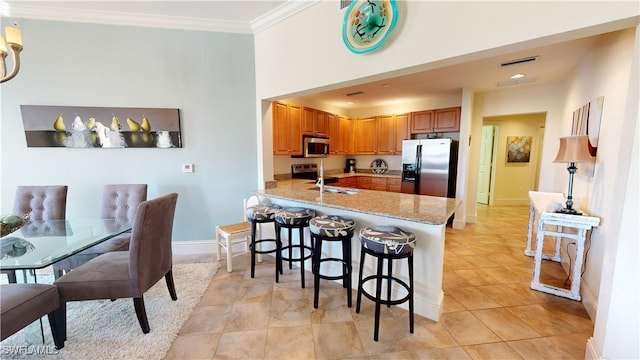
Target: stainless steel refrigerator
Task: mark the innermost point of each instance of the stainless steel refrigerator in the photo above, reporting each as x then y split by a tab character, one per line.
429	167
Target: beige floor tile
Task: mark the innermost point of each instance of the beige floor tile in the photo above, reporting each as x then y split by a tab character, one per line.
472	298
491	351
194	346
206	319
294	342
484	271
336	340
248	344
454	353
466	329
248	316
506	325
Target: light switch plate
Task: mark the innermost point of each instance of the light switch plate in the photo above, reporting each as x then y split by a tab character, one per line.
187	168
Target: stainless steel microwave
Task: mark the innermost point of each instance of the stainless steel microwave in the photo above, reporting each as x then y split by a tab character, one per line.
314	147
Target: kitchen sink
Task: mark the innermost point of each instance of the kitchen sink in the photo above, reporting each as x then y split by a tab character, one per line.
337	190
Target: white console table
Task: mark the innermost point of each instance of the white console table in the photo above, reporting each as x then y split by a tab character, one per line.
539	201
555	224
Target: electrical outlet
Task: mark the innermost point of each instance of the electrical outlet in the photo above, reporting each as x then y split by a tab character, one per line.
187	168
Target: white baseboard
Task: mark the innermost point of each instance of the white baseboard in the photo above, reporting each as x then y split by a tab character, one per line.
591	352
458	224
194	247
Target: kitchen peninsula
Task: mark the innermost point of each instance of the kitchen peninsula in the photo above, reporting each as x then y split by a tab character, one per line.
426	216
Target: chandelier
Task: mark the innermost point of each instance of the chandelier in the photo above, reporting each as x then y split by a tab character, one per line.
14	42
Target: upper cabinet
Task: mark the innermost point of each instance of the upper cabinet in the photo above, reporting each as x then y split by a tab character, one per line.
287	129
392	129
440	120
366	134
314	122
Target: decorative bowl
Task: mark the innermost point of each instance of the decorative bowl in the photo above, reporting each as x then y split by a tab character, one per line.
11	223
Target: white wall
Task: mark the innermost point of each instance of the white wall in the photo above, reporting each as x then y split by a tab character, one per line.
208	76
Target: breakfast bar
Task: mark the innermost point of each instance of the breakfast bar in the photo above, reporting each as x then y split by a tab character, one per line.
425	216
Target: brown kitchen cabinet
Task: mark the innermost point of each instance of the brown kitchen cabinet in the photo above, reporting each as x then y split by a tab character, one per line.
314	122
346	142
364	182
379	183
393	184
366	131
439	120
349	182
333	132
287	129
392	130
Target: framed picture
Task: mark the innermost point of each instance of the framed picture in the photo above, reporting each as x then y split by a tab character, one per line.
518	148
586	121
101	127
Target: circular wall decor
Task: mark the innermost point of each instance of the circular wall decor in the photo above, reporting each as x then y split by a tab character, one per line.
368	23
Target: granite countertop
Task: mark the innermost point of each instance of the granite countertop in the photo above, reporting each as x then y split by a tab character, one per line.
419	208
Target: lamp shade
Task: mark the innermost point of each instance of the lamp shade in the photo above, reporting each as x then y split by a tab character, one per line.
574	149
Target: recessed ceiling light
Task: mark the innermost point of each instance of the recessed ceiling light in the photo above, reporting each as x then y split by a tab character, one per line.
349	102
517	76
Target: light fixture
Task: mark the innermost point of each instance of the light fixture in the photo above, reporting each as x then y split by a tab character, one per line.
14	42
517	76
573	149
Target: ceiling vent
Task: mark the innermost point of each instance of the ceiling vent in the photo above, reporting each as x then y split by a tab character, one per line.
355	93
522	61
343	4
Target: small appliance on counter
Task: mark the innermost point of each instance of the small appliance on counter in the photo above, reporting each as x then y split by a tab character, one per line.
351	166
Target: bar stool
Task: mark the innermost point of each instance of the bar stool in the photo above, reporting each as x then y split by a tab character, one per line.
331	228
293	218
390	243
260	214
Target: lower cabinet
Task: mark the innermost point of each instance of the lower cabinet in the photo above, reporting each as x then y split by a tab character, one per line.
370	183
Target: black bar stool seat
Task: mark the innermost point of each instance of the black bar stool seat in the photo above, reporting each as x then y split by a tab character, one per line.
331	228
293	218
261	214
390	243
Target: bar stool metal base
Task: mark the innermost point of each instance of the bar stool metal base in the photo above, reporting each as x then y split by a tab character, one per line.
306	252
390	279
347	268
257	244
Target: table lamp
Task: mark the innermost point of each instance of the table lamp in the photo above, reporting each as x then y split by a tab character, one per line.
573	149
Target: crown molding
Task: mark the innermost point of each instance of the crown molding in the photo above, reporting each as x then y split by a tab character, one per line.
28	11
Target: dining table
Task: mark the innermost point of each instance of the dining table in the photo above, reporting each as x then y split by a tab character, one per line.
39	244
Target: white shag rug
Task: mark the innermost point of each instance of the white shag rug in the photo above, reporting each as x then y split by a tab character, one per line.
102	329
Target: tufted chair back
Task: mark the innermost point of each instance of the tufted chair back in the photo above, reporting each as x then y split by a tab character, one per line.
120	201
41	202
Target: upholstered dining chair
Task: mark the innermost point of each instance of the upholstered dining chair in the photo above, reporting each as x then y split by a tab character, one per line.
41	202
129	274
120	202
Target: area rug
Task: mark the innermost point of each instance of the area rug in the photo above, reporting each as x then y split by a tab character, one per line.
103	329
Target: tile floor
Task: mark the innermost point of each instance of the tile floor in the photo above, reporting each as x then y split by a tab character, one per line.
489	310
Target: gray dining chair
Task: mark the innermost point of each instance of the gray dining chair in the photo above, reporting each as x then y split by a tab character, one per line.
119	202
41	202
129	274
22	304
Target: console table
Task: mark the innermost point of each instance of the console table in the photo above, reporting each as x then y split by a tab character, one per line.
539	201
555	224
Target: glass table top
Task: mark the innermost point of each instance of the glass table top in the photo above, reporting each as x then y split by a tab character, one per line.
40	243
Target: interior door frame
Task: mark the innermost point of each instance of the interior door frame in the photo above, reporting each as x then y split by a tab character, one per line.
494	159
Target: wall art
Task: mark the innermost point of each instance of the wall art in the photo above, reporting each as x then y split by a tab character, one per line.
586	121
101	127
518	148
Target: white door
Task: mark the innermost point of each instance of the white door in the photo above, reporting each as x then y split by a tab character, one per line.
484	176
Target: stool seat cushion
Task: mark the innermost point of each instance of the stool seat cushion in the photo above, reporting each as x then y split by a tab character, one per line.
294	216
386	239
262	212
331	225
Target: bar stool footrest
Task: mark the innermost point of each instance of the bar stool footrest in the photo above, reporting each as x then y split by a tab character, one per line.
274	241
387	302
316	267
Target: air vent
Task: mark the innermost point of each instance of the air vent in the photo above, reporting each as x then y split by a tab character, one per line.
520	61
344	4
355	93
